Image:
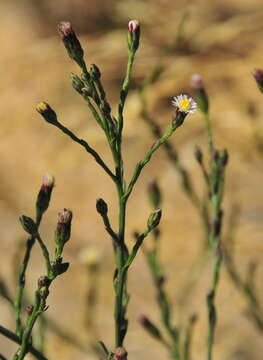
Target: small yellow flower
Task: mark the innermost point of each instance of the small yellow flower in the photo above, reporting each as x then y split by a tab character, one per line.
90	256
42	107
184	103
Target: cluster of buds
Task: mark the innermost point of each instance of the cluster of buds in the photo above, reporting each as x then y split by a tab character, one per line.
154	219
258	76
43	198
200	94
133	35
43	286
63	230
71	42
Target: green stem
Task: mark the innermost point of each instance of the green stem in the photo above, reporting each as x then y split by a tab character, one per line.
12	336
209	132
21	285
46	256
86	146
147	158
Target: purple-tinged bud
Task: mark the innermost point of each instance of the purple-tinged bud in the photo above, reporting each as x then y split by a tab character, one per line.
63	231
71	42
258	76
133	25
47	112
154	193
133	35
120	353
28	225
29	309
102	207
200	94
147	324
154	219
44	195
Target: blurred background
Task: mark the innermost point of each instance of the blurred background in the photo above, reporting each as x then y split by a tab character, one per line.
221	40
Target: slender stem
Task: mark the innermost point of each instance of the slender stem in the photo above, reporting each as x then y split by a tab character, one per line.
86	146
21	285
209	132
12	336
46	255
125	90
147	158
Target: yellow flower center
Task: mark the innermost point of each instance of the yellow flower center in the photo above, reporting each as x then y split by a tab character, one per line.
184	105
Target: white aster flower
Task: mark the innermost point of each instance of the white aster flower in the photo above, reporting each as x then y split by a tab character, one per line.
184	103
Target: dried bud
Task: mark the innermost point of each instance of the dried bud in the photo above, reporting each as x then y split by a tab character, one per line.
200	94
102	207
76	83
120	353
43	281
29	309
133	35
44	292
71	42
149	326
154	194
43	197
198	155
154	219
95	72
63	231
47	112
28	225
258	76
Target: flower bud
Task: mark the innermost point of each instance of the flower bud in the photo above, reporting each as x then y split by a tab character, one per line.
154	219
224	157
102	207
258	76
120	353
154	194
198	155
200	94
29	309
71	42
63	231
133	35
43	197
43	281
149	326
76	83
28	225
47	112
44	292
95	72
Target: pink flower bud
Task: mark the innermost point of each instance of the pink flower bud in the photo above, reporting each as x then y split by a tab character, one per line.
120	353
48	181
197	82
133	25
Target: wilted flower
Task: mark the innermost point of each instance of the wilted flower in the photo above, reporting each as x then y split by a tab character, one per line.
184	103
